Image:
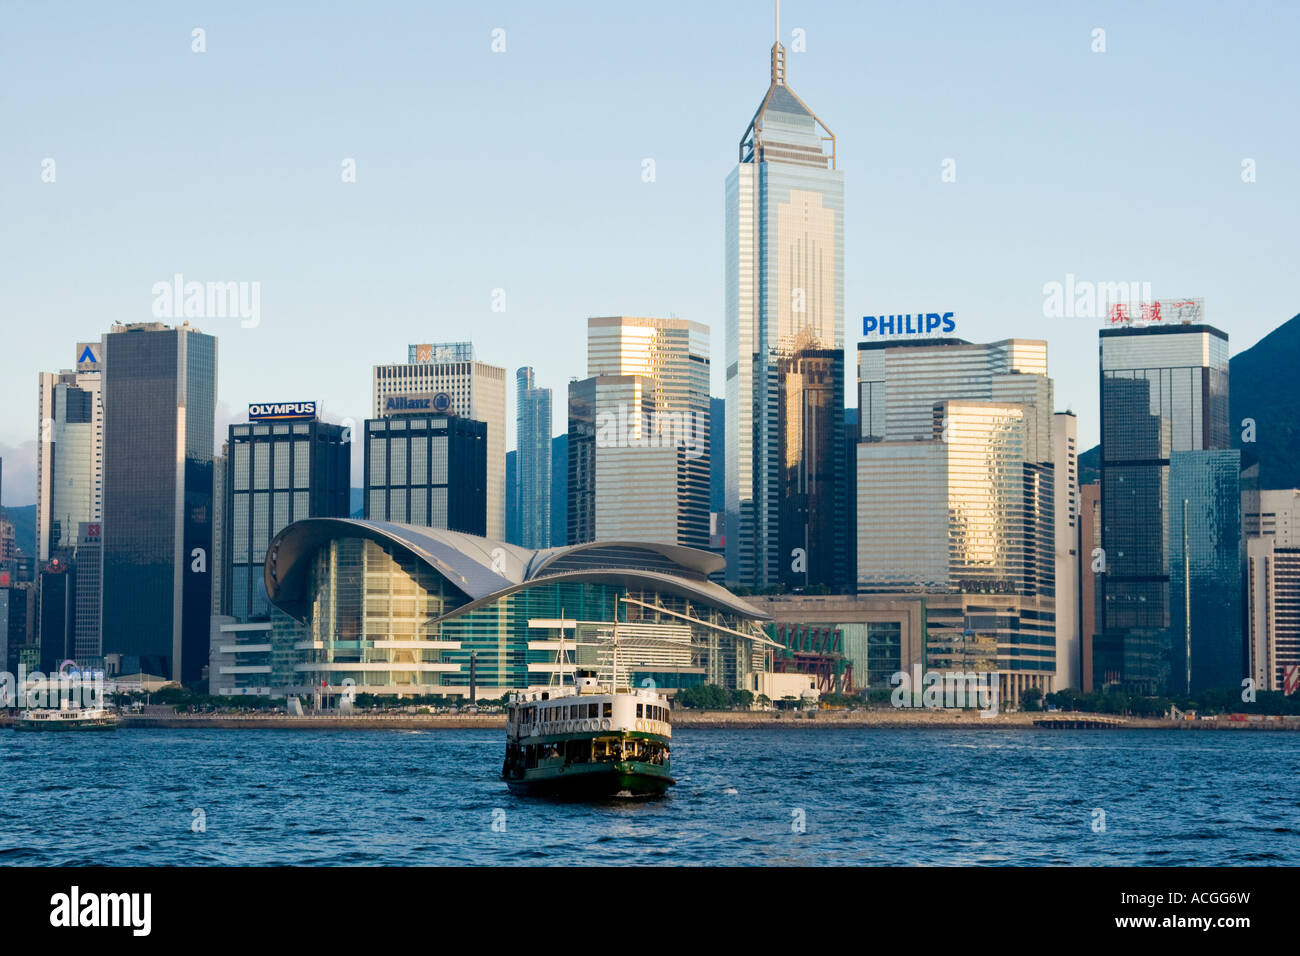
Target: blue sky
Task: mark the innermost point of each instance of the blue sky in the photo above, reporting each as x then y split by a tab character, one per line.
522	171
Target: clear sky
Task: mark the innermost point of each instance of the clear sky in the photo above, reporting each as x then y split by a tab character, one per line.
522	171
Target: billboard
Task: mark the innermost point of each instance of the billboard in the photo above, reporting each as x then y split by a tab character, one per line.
90	356
1290	679
1158	312
282	411
420	403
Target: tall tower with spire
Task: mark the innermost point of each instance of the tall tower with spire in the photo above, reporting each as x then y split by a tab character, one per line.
785	322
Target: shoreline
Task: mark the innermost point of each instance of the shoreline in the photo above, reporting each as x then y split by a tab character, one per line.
713	720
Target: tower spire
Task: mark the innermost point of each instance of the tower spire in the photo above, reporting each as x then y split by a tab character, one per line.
778	51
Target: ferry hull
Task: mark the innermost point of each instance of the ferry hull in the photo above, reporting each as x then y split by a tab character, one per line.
62	726
584	781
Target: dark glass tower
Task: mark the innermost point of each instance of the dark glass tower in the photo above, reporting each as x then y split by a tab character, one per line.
161	384
814	526
1164	441
277	472
428	470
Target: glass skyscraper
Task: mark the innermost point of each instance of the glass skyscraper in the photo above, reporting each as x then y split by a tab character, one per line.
784	294
533	461
427	470
956	498
276	473
645	412
1164	391
160	387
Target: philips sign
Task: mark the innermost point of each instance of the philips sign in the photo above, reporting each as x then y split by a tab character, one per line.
282	411
922	323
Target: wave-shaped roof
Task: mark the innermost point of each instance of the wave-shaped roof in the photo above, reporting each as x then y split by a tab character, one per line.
484	569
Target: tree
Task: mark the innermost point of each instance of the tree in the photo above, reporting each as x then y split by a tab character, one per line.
1032	699
742	699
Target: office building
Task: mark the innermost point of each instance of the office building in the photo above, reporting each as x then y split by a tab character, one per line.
282	466
1170	614
956	497
57	613
1090	577
1272	525
1065	457
160	397
426	470
452	382
640	424
70	452
533	460
784	293
87	643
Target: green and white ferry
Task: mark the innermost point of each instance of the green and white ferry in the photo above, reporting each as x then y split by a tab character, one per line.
66	718
590	739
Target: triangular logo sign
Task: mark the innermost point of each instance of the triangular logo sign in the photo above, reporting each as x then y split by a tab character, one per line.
87	356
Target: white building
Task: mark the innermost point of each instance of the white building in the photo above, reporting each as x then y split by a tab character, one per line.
1065	455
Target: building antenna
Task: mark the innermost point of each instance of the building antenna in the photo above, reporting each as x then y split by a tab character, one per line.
778	21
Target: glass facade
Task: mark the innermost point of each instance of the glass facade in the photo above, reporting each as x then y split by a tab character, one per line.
389	621
666	363
1205	571
533	461
276	474
429	471
160	384
1164	392
784	293
812	495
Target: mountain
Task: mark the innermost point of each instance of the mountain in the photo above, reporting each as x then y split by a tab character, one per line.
1261	387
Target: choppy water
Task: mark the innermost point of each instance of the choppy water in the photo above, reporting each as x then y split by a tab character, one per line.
862	796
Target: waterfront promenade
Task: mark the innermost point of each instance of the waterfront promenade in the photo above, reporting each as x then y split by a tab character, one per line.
718	720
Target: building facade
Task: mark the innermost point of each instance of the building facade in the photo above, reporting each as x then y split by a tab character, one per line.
1065	458
784	293
278	469
1272	527
1164	392
160	401
399	610
427	470
956	497
533	460
453	382
644	410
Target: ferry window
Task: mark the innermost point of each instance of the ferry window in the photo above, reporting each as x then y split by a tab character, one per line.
639	708
591	710
608	709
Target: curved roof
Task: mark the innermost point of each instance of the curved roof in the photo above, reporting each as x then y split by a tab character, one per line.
484	569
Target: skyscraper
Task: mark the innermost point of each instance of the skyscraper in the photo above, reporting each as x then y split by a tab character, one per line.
454	383
533	462
281	467
160	400
1164	392
1069	660
70	452
640	425
955	496
428	470
784	294
1273	587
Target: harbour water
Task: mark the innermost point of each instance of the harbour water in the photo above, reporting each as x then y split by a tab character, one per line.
757	797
